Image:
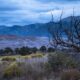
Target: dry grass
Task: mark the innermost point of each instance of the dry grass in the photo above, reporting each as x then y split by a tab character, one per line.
8	58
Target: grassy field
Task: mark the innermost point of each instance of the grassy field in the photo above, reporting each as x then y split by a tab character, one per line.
19	56
39	66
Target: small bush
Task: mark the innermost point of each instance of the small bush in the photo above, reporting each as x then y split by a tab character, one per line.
12	71
8	58
25	51
51	49
43	49
34	50
8	51
71	75
71	63
56	61
59	61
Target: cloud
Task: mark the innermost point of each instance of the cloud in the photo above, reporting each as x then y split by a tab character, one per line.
60	1
22	12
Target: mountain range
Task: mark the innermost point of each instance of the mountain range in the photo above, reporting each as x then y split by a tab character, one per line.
38	29
33	35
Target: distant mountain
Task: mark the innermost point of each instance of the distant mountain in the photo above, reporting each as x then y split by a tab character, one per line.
38	29
28	30
33	35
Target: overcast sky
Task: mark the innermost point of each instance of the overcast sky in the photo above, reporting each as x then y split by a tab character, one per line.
22	12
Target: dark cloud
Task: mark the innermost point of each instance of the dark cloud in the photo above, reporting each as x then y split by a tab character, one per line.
33	11
8	9
6	5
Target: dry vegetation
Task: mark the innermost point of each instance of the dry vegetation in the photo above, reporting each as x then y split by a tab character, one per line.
59	66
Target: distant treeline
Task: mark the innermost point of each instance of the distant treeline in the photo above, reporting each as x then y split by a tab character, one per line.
25	50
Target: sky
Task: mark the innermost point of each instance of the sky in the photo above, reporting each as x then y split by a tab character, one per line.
23	12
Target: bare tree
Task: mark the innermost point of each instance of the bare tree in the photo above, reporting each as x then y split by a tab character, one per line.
67	36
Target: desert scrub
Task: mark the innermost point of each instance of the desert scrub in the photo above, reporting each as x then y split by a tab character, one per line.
36	55
70	75
33	56
8	58
35	71
59	61
26	57
71	63
13	70
56	61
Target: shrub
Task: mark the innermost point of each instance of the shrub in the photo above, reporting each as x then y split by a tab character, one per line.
34	50
71	75
59	61
8	50
50	49
35	71
7	58
56	61
24	51
17	50
43	49
48	68
1	52
12	71
71	63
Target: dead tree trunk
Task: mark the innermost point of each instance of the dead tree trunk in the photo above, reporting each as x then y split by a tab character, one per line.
67	36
